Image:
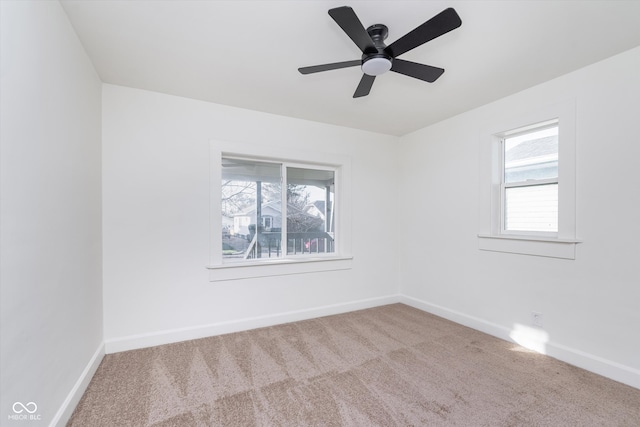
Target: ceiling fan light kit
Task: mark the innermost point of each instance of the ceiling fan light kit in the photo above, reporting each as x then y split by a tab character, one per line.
378	58
376	65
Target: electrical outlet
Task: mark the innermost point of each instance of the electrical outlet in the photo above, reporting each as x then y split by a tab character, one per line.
536	319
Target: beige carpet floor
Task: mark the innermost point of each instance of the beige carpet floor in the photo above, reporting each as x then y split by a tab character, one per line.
386	366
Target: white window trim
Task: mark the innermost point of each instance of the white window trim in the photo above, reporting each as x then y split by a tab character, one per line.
528	183
278	267
341	260
490	236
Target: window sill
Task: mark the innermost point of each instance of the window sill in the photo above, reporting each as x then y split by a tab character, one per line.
529	245
277	267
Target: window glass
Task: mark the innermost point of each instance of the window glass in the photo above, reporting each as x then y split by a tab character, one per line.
533	155
310	207
531	208
251	208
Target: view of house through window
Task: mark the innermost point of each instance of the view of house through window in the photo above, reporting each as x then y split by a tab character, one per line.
273	210
530	180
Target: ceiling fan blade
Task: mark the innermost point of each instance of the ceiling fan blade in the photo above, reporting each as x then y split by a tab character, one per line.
440	24
418	71
347	19
327	67
364	87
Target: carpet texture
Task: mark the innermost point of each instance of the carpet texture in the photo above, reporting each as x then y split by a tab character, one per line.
386	366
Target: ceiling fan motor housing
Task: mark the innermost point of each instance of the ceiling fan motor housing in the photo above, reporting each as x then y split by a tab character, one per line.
377	62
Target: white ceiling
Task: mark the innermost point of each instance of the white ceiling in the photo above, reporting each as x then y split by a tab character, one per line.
246	53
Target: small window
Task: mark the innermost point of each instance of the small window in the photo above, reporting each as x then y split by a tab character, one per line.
267	223
279	210
529	190
528	182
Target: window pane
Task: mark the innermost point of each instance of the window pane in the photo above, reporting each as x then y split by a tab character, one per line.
310	211
533	155
251	210
532	208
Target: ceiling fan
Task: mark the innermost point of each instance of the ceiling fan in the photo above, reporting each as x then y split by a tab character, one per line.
378	58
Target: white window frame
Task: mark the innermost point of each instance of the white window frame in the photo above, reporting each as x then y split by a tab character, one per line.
528	183
341	259
491	235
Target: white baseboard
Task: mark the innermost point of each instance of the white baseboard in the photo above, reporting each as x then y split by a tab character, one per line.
68	406
572	356
459	317
152	339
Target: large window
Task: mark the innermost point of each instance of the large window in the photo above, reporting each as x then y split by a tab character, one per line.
529	190
274	210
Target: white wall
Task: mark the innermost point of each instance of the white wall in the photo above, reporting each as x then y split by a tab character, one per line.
156	221
51	285
591	305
